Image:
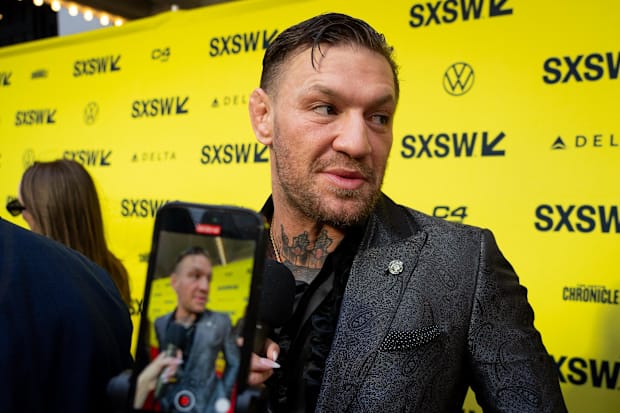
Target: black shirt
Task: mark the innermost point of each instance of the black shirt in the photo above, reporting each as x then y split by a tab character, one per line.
305	340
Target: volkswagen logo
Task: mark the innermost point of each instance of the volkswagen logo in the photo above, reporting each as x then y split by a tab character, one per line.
458	79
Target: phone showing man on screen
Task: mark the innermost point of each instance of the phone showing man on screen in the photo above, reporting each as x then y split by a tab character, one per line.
196	385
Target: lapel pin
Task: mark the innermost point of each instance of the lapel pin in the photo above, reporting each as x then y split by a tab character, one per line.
395	267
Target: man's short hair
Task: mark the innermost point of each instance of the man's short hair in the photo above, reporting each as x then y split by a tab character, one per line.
329	28
194	250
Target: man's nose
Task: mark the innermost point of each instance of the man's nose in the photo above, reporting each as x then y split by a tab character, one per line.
203	283
353	136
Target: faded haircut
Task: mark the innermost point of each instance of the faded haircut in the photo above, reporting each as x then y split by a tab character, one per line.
331	29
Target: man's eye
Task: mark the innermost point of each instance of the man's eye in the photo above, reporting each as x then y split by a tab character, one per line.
325	110
381	119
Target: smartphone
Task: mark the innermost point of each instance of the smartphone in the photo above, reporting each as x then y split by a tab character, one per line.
201	295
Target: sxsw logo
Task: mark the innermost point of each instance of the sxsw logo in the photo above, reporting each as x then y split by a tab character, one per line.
141	207
241	42
455	144
35	117
591	67
233	153
577	218
96	65
90	157
5	78
595	140
162	106
600	374
450	11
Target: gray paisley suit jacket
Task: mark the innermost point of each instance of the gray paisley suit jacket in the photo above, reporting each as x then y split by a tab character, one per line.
431	308
213	333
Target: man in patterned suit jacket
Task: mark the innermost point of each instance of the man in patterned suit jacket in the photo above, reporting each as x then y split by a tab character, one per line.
396	311
208	332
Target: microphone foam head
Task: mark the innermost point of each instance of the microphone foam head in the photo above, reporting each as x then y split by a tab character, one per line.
176	335
277	294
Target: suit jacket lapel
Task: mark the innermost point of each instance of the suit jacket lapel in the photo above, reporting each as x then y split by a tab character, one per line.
378	278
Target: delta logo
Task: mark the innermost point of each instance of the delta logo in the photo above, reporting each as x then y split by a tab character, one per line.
229	100
594	140
453	144
451	11
154	156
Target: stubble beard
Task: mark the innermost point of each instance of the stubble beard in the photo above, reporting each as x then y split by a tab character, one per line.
302	194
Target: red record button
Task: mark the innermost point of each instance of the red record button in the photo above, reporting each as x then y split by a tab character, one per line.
184	401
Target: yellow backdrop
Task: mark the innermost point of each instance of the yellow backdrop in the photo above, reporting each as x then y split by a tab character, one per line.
508	119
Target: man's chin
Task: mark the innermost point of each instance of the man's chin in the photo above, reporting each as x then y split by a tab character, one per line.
346	213
199	308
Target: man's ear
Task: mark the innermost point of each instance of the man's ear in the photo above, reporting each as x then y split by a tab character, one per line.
261	116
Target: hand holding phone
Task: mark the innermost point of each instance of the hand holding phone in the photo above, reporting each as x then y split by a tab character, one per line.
201	296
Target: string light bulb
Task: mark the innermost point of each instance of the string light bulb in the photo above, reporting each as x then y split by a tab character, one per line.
88	15
74	9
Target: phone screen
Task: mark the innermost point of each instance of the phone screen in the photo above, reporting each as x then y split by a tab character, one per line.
202	284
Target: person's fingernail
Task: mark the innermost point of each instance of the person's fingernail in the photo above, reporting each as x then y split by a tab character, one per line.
274	355
269	363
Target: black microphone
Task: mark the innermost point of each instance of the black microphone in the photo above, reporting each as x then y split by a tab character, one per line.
276	302
175	340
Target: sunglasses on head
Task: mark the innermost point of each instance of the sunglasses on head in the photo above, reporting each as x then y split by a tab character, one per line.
15	208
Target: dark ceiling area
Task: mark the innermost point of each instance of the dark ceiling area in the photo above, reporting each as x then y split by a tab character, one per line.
22	21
